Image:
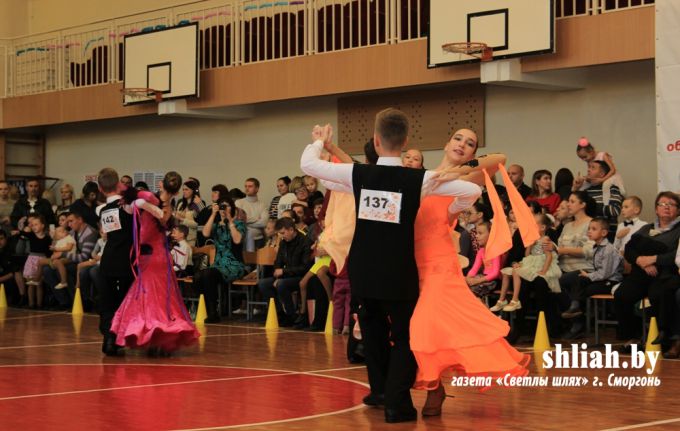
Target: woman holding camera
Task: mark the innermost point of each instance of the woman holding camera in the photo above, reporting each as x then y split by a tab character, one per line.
226	267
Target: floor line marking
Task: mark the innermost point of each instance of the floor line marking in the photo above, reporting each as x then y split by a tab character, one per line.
276	373
188	382
643	425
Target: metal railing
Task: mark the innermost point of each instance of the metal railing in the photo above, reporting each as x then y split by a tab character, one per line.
3	68
570	8
232	32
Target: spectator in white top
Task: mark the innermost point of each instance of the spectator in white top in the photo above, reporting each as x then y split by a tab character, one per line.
181	250
257	214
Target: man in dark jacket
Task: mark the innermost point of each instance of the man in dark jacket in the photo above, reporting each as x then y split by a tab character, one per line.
32	203
291	264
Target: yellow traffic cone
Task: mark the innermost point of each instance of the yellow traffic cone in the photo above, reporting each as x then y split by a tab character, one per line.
77	323
541	340
3	314
651	336
272	337
201	312
538	360
201	340
77	304
272	317
3	298
329	346
329	320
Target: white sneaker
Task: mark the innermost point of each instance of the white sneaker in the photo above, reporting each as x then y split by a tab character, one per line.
512	306
239	311
499	306
256	311
60	286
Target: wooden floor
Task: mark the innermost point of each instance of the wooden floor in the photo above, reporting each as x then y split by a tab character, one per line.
53	376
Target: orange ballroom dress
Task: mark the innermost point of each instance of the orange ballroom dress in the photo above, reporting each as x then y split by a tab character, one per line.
451	329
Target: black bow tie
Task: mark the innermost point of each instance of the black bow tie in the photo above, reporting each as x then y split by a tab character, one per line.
628	223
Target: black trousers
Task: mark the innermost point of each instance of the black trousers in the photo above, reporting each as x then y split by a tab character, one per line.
316	291
583	288
662	297
390	363
633	288
111	296
545	300
207	282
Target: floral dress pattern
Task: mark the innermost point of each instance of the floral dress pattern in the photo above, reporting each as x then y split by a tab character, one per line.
225	261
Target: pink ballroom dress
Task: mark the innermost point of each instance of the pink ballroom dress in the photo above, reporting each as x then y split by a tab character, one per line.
153	313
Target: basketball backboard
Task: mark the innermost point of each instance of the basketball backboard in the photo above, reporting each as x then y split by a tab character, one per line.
165	60
512	28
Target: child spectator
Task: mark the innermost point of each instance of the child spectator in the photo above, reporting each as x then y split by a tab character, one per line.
297	213
630	211
271	238
586	152
484	282
342	299
181	251
320	268
62	246
608	272
312	186
476	215
413	158
536	263
40	242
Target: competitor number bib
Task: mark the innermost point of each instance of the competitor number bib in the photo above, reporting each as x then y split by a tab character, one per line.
380	206
110	220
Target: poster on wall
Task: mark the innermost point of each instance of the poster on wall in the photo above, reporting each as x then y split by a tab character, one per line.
91	178
20	184
668	96
151	179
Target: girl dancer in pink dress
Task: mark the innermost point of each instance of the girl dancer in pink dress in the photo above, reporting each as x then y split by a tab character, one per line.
153	314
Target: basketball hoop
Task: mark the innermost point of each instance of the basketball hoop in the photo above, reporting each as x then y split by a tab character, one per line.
142	95
473	49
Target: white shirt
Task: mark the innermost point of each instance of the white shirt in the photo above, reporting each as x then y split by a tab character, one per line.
257	214
338	177
620	243
181	254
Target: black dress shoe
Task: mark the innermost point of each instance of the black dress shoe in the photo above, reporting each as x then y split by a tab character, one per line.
374	400
109	346
314	328
397	415
301	319
214	318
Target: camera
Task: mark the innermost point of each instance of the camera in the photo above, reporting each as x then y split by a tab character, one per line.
224	206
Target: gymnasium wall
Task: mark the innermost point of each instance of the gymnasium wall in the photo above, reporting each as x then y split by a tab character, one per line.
13	18
49	15
537	129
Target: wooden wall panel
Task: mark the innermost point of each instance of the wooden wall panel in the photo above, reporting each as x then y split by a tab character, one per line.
2	155
434	114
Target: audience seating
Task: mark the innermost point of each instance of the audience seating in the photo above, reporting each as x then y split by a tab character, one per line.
263	257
